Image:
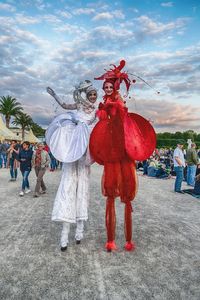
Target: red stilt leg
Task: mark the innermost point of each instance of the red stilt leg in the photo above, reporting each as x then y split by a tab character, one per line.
110	224
129	246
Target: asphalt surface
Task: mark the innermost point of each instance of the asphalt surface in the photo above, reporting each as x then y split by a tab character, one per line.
165	264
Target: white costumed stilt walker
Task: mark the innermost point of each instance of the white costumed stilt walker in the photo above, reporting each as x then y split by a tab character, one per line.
68	137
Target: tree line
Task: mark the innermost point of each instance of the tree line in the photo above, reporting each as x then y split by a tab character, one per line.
168	139
10	107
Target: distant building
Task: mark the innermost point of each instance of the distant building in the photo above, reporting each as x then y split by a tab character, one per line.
28	136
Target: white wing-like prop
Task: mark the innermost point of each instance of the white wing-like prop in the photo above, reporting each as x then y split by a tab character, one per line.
67	137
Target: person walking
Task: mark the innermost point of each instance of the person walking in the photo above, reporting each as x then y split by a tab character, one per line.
179	164
53	162
1	157
192	161
40	162
13	151
3	150
25	158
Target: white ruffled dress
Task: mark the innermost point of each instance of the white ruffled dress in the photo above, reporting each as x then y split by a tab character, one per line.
68	138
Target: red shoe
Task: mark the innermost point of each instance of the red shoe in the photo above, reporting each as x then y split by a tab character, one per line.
129	246
111	246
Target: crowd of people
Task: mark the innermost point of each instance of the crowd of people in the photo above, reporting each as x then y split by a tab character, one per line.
161	164
24	156
184	164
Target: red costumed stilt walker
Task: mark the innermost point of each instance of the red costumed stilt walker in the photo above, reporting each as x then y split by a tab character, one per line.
117	140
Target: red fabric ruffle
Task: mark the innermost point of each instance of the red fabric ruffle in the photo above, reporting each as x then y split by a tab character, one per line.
140	137
119	134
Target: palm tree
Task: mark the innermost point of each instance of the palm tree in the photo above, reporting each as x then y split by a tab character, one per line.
37	129
23	120
9	107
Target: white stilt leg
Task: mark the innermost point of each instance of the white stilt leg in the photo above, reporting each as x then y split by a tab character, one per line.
79	230
64	234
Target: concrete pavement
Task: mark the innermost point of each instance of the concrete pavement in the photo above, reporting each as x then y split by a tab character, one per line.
165	264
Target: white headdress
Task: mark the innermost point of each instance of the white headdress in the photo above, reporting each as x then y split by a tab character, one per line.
84	87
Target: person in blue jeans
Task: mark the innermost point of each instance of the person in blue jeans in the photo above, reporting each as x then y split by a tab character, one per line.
1	158
13	152
25	157
13	169
179	164
196	189
192	161
145	166
53	163
3	154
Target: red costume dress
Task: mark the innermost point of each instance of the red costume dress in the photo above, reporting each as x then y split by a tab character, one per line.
117	140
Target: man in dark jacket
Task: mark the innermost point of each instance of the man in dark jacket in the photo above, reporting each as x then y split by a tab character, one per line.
192	161
25	157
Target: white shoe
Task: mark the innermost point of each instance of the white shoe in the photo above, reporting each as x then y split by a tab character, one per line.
21	194
27	191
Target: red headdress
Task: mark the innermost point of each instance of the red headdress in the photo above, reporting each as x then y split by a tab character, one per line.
116	77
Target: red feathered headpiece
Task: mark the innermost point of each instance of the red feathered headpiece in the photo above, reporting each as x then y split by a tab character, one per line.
116	76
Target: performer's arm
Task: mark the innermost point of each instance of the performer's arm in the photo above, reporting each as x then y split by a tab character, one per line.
51	92
69	106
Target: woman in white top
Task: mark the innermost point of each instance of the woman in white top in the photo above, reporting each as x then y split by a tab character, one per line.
68	138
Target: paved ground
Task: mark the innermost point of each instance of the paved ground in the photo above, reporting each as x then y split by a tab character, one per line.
165	265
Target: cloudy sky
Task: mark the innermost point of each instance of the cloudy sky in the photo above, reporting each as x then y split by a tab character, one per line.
59	43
